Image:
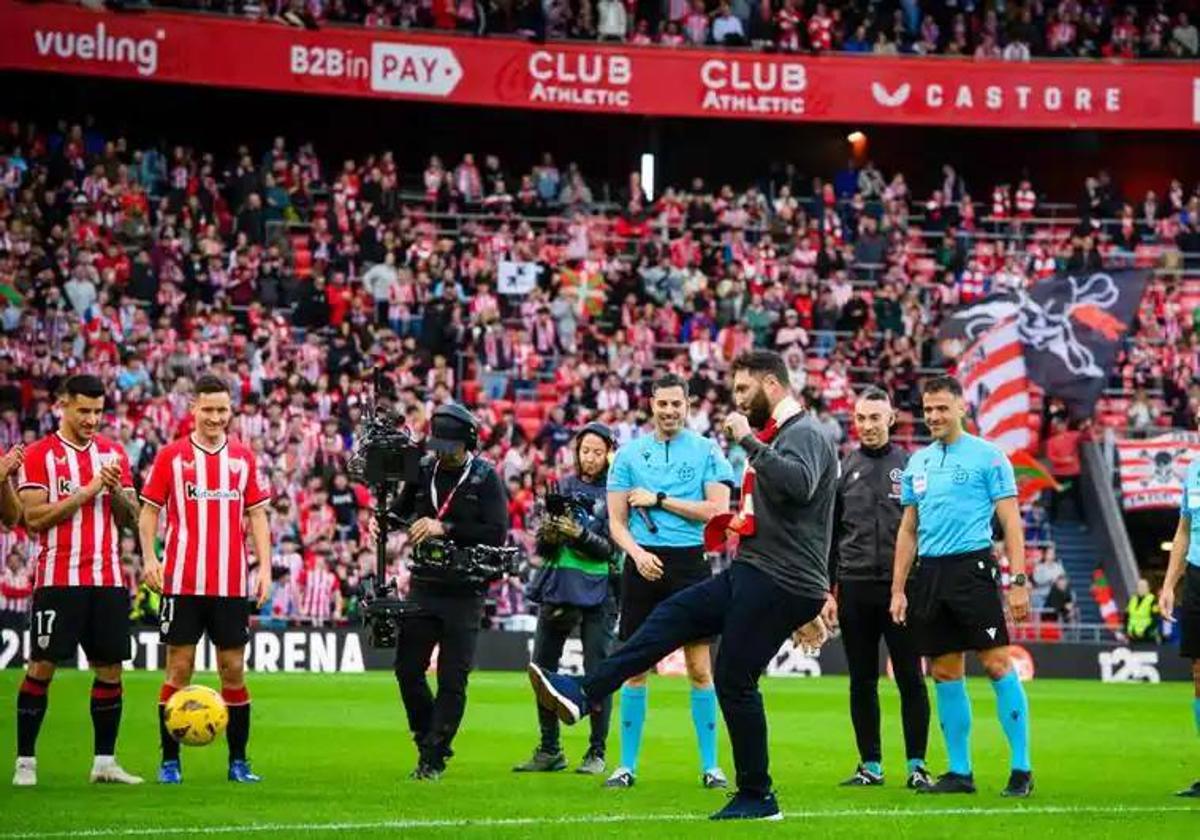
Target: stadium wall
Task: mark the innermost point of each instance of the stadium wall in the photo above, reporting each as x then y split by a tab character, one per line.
346	651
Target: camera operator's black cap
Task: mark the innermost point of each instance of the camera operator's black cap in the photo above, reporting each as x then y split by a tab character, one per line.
452	427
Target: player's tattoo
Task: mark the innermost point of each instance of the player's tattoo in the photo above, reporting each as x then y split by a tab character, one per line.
125	508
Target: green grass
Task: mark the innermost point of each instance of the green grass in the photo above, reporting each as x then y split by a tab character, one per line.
334	750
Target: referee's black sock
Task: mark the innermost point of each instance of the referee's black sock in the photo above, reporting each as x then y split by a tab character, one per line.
106	715
238	732
32	700
170	747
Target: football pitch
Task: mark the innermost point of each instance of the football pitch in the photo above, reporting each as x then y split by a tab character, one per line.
334	754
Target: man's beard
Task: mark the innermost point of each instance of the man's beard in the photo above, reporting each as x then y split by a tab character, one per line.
759	411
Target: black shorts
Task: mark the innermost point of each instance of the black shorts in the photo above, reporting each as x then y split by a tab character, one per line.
183	619
95	618
682	567
954	604
1189	614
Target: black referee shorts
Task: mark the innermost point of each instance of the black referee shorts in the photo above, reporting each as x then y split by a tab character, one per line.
183	619
95	618
954	604
682	567
1189	618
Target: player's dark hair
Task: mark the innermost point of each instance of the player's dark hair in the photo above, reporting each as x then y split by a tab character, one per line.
942	384
873	393
82	385
761	363
669	380
212	384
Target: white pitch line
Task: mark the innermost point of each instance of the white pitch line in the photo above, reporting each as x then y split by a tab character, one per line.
601	819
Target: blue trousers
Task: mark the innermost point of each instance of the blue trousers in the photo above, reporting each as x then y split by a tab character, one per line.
753	615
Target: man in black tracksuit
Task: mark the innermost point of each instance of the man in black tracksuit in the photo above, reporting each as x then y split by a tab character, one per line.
866	519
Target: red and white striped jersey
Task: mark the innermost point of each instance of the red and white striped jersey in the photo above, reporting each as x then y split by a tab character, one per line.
82	550
206	494
320	588
16	590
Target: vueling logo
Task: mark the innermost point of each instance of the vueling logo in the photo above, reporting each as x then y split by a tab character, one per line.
200	494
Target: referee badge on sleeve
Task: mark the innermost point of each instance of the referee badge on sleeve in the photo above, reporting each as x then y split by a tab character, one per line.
919	484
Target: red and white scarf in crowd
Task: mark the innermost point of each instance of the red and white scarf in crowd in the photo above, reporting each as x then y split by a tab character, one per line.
742	523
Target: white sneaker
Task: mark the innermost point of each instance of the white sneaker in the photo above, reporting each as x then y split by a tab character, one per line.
26	772
107	771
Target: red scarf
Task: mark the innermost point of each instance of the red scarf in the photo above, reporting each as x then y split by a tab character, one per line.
742	523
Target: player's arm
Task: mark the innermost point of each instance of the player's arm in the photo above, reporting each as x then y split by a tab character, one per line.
148	537
10	505
1179	551
1009	514
125	508
715	502
260	538
41	514
10	502
906	552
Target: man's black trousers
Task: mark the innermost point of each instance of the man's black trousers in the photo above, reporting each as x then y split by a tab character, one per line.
753	615
554	627
864	618
451	622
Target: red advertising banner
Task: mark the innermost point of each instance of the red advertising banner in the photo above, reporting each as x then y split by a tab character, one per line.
609	79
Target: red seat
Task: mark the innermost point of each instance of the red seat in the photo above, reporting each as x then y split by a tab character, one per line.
527	410
547	392
470	392
530	426
501	407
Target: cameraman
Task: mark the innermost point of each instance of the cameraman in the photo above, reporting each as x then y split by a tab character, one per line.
573	589
460	500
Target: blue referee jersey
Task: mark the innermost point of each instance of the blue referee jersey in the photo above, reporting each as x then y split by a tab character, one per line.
680	467
1189	506
955	489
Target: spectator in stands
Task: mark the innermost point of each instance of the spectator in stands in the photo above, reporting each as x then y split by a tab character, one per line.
1060	603
612	24
1141	615
1185	42
727	27
1141	414
1062	448
1047	570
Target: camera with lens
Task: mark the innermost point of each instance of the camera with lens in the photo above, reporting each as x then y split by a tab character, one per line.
386	457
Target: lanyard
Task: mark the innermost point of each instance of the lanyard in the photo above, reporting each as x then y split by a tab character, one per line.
433	493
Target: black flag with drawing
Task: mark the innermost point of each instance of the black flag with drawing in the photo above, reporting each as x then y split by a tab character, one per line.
1069	328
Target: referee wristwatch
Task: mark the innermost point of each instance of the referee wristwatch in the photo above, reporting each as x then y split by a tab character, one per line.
662	497
1019	579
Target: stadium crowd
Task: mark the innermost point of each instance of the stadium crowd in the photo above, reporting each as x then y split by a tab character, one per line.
311	286
1014	31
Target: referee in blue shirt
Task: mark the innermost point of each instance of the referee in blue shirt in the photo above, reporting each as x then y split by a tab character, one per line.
662	488
1185	553
950	491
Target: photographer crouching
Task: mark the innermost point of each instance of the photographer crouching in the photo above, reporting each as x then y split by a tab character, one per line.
458	510
573	588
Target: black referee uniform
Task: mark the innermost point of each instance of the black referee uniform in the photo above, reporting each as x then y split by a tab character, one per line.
867	517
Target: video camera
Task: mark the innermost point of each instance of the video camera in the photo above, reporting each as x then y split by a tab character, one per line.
386	457
558	503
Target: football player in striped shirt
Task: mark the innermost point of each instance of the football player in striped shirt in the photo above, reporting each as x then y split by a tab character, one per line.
76	493
208	485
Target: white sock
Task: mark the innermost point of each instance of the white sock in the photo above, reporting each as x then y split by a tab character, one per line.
26	761
103	762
